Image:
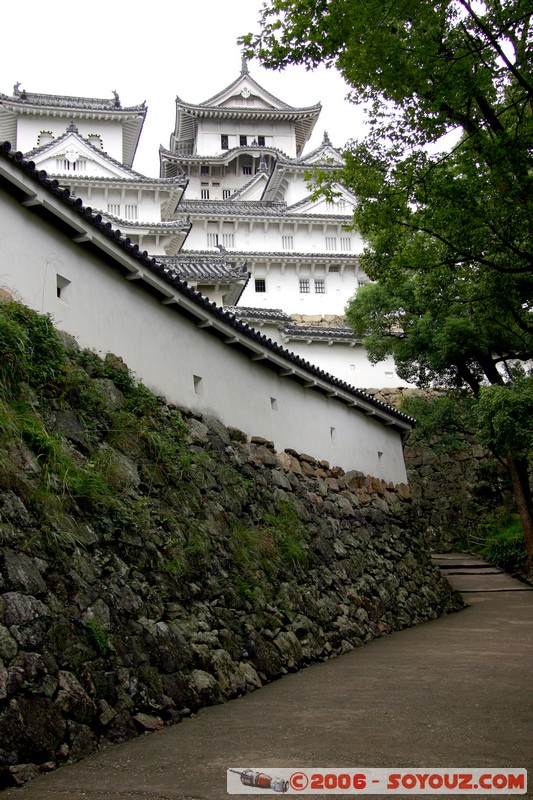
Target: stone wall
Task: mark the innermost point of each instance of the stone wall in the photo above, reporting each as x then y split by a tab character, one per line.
453	488
252	564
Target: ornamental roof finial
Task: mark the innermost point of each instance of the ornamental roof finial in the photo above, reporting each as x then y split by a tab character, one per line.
326	139
72	128
263	166
16	91
244	65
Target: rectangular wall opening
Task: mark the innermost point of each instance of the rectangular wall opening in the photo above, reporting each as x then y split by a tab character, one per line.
62	285
198	384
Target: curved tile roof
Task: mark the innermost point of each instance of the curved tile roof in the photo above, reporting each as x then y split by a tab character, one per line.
65	101
253	208
267	314
137	176
318	332
282	255
190	267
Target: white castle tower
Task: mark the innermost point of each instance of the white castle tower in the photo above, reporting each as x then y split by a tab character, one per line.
232	211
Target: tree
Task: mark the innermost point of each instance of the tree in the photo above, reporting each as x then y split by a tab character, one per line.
428	68
453	62
449	235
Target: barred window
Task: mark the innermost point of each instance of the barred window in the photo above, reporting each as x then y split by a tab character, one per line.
260	285
304	285
320	286
346	243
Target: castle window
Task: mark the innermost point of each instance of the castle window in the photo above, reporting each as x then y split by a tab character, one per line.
247	169
304	285
287	242
243	141
96	140
45	137
64	165
224	144
261	141
331	243
260	285
130	210
204	194
228	240
61	286
212	239
226	193
113	208
320	286
204	169
346	243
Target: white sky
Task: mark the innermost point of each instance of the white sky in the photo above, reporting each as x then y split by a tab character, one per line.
154	51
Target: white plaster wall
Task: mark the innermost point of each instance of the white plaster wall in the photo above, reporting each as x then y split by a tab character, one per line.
344	361
350	364
28	129
297	188
277	134
92	168
266	236
283	289
165	350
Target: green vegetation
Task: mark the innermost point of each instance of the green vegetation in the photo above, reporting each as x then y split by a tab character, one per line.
37	375
85	445
442	422
447	230
98	636
289	534
501	541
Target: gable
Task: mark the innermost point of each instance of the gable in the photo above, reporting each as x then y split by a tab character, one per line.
71	154
342	205
246	97
324	155
253	190
245	93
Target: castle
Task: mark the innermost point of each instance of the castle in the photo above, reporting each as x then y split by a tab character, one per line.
231	213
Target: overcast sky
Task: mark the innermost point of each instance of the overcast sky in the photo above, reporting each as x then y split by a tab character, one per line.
154	51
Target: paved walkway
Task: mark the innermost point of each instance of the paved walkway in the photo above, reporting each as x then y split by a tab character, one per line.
457	692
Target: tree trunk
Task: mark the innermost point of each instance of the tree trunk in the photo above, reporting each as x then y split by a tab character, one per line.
518	470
